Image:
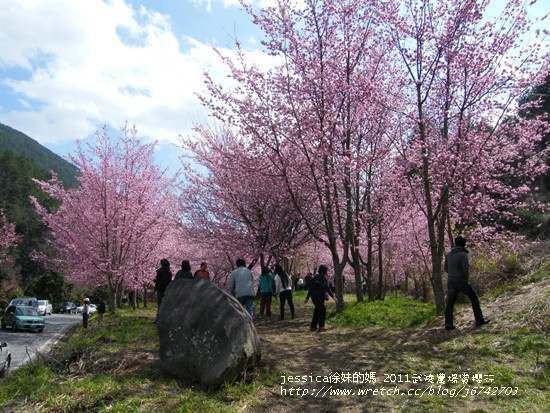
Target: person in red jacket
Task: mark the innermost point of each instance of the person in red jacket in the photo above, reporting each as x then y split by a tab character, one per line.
202	272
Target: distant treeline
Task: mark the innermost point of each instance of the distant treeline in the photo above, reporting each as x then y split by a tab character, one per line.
46	160
16	186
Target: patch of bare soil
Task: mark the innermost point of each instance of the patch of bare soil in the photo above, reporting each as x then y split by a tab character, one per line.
324	364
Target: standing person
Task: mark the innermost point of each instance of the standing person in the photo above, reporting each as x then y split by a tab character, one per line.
458	269
266	291
202	271
185	271
241	286
283	287
318	288
86	312
308	279
100	311
294	282
163	278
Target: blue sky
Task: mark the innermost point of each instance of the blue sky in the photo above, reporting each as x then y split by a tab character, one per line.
69	66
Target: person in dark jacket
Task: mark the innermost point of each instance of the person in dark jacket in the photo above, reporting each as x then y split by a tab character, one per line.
458	269
163	278
185	271
307	280
318	288
100	311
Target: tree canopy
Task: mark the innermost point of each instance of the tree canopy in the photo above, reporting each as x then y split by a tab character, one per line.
386	109
111	230
381	130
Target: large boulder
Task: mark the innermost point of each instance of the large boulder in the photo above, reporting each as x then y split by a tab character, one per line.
206	335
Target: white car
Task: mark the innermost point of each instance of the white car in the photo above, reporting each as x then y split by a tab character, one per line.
5	359
44	307
93	309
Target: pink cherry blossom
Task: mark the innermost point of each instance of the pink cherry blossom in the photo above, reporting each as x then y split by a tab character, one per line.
113	229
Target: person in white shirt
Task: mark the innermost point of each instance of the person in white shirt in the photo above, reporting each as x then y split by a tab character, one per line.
241	286
86	312
283	287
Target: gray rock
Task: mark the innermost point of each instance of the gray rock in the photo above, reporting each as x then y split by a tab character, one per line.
205	334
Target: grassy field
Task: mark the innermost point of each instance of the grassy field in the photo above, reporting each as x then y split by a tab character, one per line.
114	367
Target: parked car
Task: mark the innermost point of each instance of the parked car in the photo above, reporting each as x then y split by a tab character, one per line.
5	359
67	307
93	309
30	301
44	307
22	317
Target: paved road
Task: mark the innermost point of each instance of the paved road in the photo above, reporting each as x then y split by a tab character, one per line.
25	345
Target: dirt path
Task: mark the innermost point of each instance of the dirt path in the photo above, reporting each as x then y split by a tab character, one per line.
289	348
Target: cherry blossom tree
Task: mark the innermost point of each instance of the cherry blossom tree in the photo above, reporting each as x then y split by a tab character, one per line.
237	203
464	74
314	116
114	228
369	99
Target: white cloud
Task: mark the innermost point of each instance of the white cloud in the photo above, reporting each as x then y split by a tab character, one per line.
231	3
207	4
93	62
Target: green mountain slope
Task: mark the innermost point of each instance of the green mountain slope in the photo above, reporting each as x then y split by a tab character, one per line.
22	145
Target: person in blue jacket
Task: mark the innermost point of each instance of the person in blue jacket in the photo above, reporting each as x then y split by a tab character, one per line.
266	287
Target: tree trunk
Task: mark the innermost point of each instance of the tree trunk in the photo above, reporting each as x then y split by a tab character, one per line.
356	265
134	299
436	278
112	297
339	284
370	289
338	275
380	266
144	296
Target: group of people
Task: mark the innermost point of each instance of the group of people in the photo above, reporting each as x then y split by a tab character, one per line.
86	312
271	283
279	284
164	276
276	283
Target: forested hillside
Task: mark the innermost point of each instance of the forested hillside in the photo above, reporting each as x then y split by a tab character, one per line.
16	186
21	144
